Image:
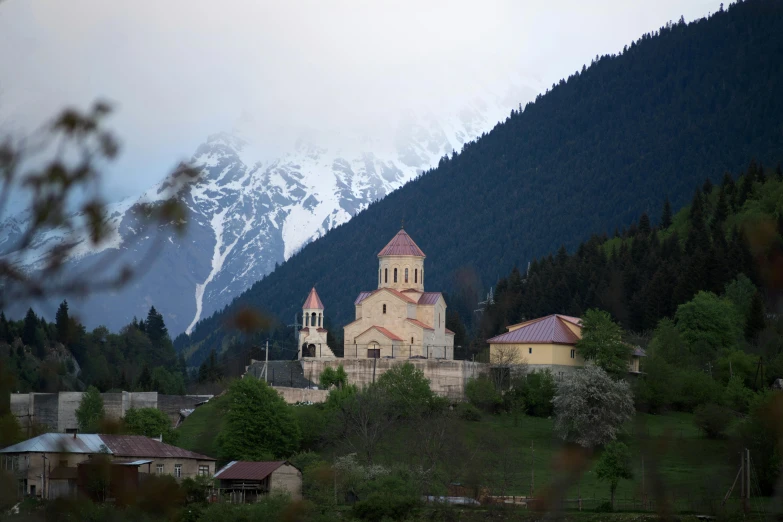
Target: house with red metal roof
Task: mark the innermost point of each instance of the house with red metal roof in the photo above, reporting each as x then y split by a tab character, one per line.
55	456
242	481
546	343
399	318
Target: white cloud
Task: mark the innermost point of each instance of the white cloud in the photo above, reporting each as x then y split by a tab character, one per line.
182	69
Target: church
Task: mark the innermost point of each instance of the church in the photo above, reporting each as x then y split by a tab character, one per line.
396	320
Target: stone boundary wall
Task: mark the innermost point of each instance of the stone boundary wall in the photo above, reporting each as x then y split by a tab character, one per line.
58	410
447	377
294	395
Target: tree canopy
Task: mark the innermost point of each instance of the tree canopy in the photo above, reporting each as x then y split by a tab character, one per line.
602	343
90	412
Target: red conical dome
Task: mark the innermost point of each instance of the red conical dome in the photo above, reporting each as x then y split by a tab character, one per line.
313	302
401	245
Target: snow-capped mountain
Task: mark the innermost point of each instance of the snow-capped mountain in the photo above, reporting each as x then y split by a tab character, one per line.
248	213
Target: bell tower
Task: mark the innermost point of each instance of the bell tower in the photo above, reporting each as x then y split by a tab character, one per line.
312	336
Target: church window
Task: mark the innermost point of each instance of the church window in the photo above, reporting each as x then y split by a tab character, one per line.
385	275
411	340
395	275
406	275
530	350
415	275
312	320
384	308
319	320
307	320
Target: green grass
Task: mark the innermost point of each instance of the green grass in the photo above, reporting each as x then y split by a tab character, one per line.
199	431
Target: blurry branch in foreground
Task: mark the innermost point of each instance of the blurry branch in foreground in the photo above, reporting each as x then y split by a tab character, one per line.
57	172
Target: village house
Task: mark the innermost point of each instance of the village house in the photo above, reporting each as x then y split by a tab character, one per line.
546	343
55	456
246	482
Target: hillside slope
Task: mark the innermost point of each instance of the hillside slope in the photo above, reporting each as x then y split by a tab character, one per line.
592	153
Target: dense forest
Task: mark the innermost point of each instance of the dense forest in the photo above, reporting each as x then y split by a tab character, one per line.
592	153
642	274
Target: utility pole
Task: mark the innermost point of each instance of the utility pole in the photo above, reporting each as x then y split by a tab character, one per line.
747	480
374	360
266	360
43	477
532	470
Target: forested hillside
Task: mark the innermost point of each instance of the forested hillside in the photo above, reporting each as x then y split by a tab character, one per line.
596	151
641	275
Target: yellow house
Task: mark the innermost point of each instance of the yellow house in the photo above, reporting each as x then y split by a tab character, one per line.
546	343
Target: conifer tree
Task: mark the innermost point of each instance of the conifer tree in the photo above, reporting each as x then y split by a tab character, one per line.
779	173
29	327
756	319
5	329
666	215
761	177
707	187
155	327
644	224
145	379
62	322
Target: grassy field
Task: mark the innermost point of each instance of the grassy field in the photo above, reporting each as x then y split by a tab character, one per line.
669	454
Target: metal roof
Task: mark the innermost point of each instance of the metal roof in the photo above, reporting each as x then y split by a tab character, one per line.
549	329
419	323
365	295
135	446
362	297
401	245
429	298
246	470
313	302
145	447
60	443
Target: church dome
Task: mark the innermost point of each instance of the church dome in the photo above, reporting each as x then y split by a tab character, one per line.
401	245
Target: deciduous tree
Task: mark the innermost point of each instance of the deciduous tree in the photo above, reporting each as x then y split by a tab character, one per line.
614	466
602	343
90	412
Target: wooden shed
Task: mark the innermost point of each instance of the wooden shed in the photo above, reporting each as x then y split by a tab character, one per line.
243	481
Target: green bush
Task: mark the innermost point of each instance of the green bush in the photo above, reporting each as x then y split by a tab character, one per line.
538	390
387	497
761	433
466	411
696	388
712	419
481	393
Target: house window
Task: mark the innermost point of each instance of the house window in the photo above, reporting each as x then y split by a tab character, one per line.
203	471
530	350
395	275
573	353
16	462
406	275
178	470
159	469
415	275
384	308
385	275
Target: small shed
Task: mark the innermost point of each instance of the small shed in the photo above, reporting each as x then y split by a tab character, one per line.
245	481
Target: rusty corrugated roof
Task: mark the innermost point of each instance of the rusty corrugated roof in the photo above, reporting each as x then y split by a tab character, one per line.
313	302
247	470
549	329
401	245
140	446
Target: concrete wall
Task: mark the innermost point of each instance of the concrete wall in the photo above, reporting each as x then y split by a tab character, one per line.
447	378
286	479
294	395
58	410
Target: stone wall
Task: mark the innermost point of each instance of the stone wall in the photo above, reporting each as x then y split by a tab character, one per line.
294	395
447	377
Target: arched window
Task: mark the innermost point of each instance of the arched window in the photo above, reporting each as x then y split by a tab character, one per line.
312	320
422	276
406	275
319	320
411	340
385	275
384	308
395	275
415	275
307	320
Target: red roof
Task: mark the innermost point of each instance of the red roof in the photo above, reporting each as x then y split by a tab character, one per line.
384	331
364	295
141	446
549	329
245	470
419	323
313	302
401	245
449	331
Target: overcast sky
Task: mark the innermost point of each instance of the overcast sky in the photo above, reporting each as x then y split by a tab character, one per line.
179	70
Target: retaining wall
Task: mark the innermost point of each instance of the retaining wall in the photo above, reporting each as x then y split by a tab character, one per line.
294	395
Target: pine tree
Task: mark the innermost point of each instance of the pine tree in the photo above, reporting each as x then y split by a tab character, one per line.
5	329
756	318
707	187
155	327
644	224
761	177
145	379
779	173
666	215
62	322
29	328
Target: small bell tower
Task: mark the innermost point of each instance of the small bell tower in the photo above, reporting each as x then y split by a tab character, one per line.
312	336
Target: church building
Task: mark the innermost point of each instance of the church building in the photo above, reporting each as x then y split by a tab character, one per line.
399	319
312	336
